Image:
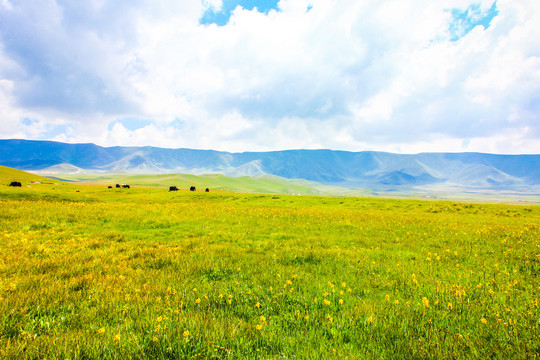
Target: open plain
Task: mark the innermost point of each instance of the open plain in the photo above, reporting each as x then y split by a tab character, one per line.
88	272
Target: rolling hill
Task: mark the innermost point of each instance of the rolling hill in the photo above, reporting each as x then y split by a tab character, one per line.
7	175
354	170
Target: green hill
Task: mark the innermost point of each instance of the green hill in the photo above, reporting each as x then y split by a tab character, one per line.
260	184
7	175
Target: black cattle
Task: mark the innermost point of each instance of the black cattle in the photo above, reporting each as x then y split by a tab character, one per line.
125	186
173	188
15	184
109	187
207	190
118	186
192	188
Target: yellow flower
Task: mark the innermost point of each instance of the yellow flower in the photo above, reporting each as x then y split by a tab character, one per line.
425	301
198	301
450	306
343	285
326	302
396	302
101	331
307	318
329	318
185	333
340	301
262	318
387	297
117	337
257	305
159	319
258	327
484	321
370	319
154	339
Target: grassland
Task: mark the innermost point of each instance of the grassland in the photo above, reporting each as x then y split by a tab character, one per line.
93	273
267	184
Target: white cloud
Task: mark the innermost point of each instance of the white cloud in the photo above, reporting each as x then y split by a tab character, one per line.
354	75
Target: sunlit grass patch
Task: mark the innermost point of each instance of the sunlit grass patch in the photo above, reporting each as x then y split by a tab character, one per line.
143	274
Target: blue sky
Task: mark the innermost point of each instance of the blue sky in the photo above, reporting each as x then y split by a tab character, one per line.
222	15
396	75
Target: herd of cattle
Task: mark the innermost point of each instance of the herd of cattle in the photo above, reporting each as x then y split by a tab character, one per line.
125	186
171	188
120	186
192	188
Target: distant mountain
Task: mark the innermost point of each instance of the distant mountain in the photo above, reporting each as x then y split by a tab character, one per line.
367	169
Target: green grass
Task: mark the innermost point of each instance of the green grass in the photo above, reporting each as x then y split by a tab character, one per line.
88	272
259	184
7	175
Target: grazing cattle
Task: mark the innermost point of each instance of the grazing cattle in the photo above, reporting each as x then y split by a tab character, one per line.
109	187
15	184
118	186
125	186
192	188
207	190
173	188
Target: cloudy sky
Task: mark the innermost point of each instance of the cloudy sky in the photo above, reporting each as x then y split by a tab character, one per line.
403	76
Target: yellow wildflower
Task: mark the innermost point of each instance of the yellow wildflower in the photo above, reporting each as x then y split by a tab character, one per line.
101	331
258	327
340	301
185	333
425	301
484	321
116	337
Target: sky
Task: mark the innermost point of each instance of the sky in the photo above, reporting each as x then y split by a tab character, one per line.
403	76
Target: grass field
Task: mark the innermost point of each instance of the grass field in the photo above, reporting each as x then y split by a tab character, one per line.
268	184
93	273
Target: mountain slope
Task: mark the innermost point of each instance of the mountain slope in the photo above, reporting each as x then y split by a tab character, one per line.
376	170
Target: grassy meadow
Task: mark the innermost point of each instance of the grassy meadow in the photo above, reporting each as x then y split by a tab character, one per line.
88	272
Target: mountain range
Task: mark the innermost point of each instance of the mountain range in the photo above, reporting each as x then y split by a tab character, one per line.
366	169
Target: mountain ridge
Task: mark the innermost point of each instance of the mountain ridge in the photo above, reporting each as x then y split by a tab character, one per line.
366	169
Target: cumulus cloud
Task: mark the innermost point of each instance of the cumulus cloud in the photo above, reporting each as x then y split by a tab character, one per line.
403	76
